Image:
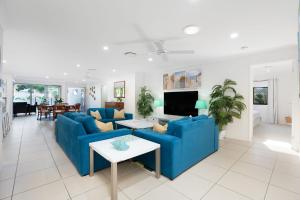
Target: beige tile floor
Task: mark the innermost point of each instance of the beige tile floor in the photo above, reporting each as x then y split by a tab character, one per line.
33	167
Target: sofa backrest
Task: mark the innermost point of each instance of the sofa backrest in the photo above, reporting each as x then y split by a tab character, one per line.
65	124
73	115
198	138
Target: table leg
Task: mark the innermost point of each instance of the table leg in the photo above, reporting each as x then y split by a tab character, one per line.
114	181
91	162
157	163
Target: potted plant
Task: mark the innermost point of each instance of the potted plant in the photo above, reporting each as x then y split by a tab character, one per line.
58	100
225	105
119	99
145	102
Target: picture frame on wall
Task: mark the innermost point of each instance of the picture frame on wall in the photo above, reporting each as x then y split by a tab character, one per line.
182	80
119	89
260	95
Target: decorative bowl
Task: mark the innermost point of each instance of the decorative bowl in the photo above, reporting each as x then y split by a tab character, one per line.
120	145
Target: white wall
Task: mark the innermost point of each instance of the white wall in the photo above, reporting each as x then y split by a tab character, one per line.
89	101
1	58
235	68
130	89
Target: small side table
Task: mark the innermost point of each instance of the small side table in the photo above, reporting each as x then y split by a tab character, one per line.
137	147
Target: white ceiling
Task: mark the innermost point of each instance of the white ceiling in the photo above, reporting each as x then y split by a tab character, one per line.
49	37
270	70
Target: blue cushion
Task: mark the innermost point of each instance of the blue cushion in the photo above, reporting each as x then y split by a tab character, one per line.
102	113
199	117
88	124
109	113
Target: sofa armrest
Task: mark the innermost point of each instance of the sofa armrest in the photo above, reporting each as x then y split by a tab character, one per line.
171	151
84	145
128	116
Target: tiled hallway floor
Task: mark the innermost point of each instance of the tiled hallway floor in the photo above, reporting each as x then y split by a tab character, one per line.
33	167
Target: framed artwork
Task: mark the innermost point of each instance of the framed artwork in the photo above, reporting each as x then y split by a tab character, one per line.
260	95
182	80
119	89
179	79
193	79
168	82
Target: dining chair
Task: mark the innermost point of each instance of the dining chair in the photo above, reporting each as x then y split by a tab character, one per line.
42	110
77	107
58	109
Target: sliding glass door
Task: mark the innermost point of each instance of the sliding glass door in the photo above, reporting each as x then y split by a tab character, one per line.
36	93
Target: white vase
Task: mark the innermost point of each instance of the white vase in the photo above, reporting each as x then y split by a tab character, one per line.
222	134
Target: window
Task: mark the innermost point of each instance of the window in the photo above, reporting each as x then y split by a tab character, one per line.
36	93
260	95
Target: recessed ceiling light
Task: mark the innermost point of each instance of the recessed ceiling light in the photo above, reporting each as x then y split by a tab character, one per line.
4	61
47	77
105	48
65	73
114	70
78	65
191	29
83	80
150	59
234	35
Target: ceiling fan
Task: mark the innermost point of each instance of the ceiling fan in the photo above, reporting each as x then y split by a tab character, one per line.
162	51
154	46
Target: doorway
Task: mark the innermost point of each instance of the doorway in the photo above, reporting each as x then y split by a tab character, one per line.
271	102
75	96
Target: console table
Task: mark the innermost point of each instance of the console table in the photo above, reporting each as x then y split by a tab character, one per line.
116	105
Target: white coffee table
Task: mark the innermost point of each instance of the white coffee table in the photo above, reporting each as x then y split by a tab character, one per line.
137	146
135	123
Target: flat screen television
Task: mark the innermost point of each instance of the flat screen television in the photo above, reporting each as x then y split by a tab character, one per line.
180	103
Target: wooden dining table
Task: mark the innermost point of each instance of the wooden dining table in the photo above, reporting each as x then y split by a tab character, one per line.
59	109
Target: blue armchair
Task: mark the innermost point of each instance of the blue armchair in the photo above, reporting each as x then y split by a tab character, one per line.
186	143
74	138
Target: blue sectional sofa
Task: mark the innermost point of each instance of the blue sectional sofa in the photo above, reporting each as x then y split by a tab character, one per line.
107	114
74	132
186	142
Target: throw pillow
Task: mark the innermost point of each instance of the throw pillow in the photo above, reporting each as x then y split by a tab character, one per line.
160	128
119	114
96	114
104	127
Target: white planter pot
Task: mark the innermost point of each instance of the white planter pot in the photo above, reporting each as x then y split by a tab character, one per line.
222	134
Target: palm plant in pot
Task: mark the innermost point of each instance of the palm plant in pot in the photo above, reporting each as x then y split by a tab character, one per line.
225	104
145	102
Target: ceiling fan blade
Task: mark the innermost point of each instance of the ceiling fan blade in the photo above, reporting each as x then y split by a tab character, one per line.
144	36
159	45
144	39
181	52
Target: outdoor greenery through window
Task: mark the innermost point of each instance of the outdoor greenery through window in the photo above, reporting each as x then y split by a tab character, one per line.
260	95
36	93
